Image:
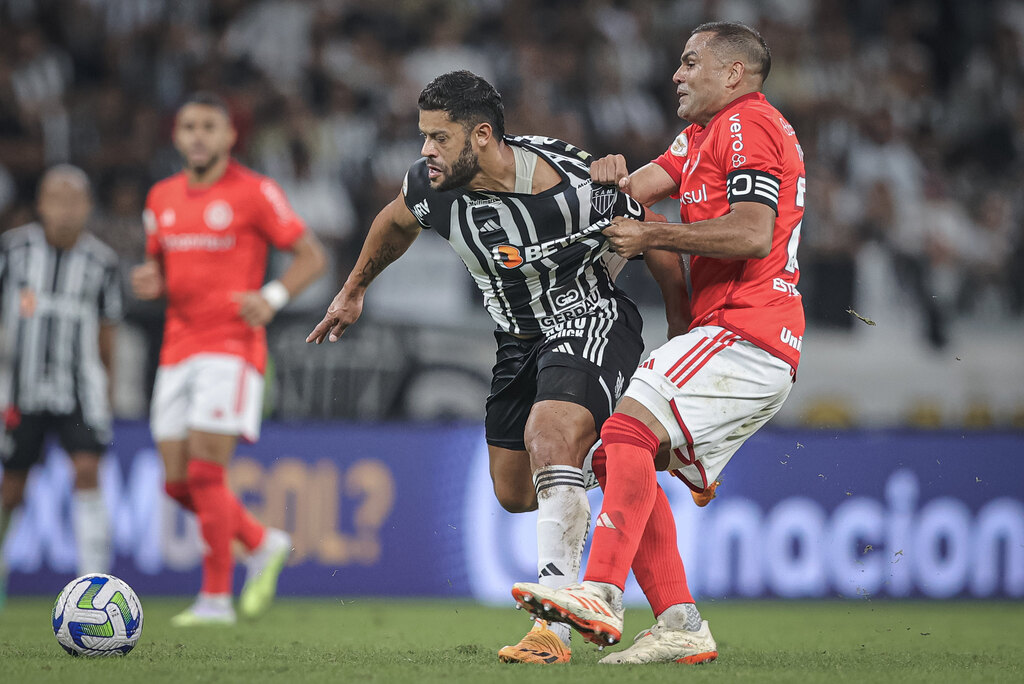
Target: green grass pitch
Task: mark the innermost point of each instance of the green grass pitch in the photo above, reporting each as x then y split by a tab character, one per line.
412	642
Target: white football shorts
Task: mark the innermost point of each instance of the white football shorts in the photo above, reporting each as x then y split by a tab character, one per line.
711	390
218	393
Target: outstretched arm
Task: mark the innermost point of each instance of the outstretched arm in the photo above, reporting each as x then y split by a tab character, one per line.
647	185
391	233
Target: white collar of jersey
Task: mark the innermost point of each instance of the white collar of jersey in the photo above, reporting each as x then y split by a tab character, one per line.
526	164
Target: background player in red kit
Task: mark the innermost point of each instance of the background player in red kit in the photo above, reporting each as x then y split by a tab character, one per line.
208	232
739	174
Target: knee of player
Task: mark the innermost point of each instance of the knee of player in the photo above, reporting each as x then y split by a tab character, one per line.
12	491
86	464
547	448
515	499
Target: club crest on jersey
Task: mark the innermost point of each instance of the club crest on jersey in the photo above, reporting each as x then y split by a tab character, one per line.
602	199
507	256
218	215
680	145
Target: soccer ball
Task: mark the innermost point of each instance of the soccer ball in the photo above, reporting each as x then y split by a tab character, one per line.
97	615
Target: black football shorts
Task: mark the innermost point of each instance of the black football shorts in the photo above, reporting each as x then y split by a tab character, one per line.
21	445
588	363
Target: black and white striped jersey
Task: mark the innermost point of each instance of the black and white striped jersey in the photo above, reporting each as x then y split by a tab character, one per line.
539	260
51	304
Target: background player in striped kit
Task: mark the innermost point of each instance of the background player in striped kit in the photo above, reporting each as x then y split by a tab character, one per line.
525	217
739	173
60	300
209	229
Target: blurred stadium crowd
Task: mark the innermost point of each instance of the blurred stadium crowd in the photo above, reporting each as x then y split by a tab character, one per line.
911	114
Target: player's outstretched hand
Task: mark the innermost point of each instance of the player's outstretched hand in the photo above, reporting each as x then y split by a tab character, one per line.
253	308
344	310
147	281
625	237
610	170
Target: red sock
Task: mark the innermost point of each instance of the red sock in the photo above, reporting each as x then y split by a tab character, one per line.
658	566
180	493
629	493
215	508
247	530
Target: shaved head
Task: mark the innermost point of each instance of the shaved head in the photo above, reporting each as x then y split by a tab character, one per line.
64	203
735	41
66	174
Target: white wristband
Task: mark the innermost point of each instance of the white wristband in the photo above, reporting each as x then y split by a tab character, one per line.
276	294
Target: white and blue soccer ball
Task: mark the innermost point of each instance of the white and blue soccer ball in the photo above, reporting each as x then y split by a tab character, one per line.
97	615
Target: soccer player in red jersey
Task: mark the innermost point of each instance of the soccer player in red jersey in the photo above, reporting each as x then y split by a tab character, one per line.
739	174
209	228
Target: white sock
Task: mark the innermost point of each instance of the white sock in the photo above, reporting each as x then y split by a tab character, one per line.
563	520
91	524
682	616
215	601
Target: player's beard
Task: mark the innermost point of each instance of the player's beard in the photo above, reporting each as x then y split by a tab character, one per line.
462	170
200	170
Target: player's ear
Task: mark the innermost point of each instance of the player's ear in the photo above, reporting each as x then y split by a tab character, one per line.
735	73
483	133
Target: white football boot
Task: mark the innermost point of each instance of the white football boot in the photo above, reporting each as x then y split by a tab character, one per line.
662	644
594	609
209	609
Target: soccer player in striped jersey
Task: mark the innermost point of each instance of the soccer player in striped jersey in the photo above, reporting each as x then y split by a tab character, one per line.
60	300
739	174
525	217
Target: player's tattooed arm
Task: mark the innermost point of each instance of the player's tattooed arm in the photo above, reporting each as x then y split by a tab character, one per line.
386	254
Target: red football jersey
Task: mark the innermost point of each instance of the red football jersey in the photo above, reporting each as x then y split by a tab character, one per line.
747	153
212	242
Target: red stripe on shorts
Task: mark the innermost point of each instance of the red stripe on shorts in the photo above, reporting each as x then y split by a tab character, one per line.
723	344
690	451
240	390
692	355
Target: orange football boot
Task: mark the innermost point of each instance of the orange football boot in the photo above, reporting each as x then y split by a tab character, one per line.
540	646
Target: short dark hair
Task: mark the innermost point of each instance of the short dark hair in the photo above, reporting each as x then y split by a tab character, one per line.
207	99
741	39
466	98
